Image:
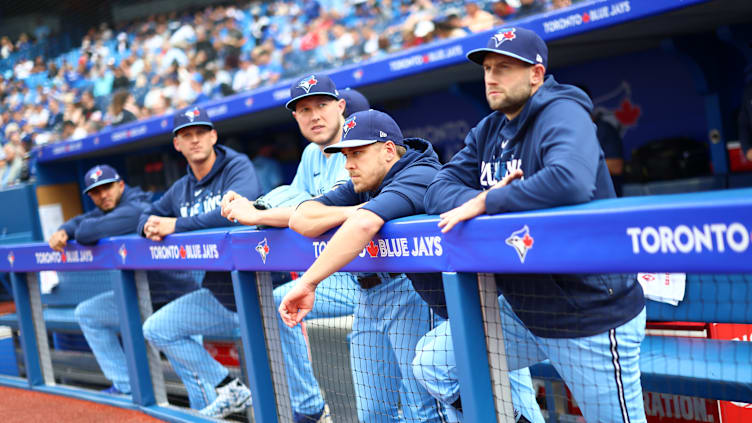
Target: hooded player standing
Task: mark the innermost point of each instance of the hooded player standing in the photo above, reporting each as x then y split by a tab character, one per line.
539	149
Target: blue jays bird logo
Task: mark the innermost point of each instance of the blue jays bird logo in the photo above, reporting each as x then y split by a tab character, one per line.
521	241
506	34
192	114
96	174
122	252
307	83
263	249
11	258
349	124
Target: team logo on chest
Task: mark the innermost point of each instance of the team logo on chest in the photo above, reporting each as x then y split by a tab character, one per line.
307	83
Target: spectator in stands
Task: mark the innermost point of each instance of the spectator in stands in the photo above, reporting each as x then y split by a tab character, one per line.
118	113
11	172
117	209
389	175
319	111
745	115
502	10
541	150
477	19
450	26
193	202
528	8
560	4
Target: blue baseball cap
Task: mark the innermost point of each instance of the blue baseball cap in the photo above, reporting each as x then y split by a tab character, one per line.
354	101
367	127
519	43
189	117
100	175
313	84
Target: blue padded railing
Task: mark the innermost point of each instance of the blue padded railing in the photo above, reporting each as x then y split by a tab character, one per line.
706	233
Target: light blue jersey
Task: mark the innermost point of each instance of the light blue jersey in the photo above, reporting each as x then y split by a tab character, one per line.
335	296
317	173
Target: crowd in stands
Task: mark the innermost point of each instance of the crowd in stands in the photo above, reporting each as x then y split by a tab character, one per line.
166	62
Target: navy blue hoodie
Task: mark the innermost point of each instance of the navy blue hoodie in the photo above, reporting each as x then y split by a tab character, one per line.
401	192
196	204
90	227
553	141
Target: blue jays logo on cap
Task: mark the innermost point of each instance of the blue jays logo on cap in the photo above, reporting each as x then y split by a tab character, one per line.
189	117
96	174
516	42
100	175
192	114
313	84
367	127
349	124
504	35
307	83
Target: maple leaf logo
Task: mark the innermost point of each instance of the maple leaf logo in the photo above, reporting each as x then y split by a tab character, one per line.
628	113
372	249
182	251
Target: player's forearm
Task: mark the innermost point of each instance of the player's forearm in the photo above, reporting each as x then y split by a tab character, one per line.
277	217
312	218
344	246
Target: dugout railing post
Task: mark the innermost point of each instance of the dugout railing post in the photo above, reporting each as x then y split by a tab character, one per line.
33	333
465	307
249	288
126	298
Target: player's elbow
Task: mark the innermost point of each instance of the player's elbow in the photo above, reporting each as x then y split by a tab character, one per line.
430	201
366	222
301	224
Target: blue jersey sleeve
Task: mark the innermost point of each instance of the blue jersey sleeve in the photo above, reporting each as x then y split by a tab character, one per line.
570	154
404	196
457	181
340	195
122	220
70	226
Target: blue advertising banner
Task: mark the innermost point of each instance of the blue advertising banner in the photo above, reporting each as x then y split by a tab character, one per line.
32	257
411	244
698	233
200	250
581	18
708	232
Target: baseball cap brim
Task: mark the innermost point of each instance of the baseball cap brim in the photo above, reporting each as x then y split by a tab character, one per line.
336	148
98	183
479	54
290	105
185	125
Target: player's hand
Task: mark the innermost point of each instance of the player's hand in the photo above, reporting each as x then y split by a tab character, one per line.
749	155
241	210
158	227
297	303
58	240
474	207
227	198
